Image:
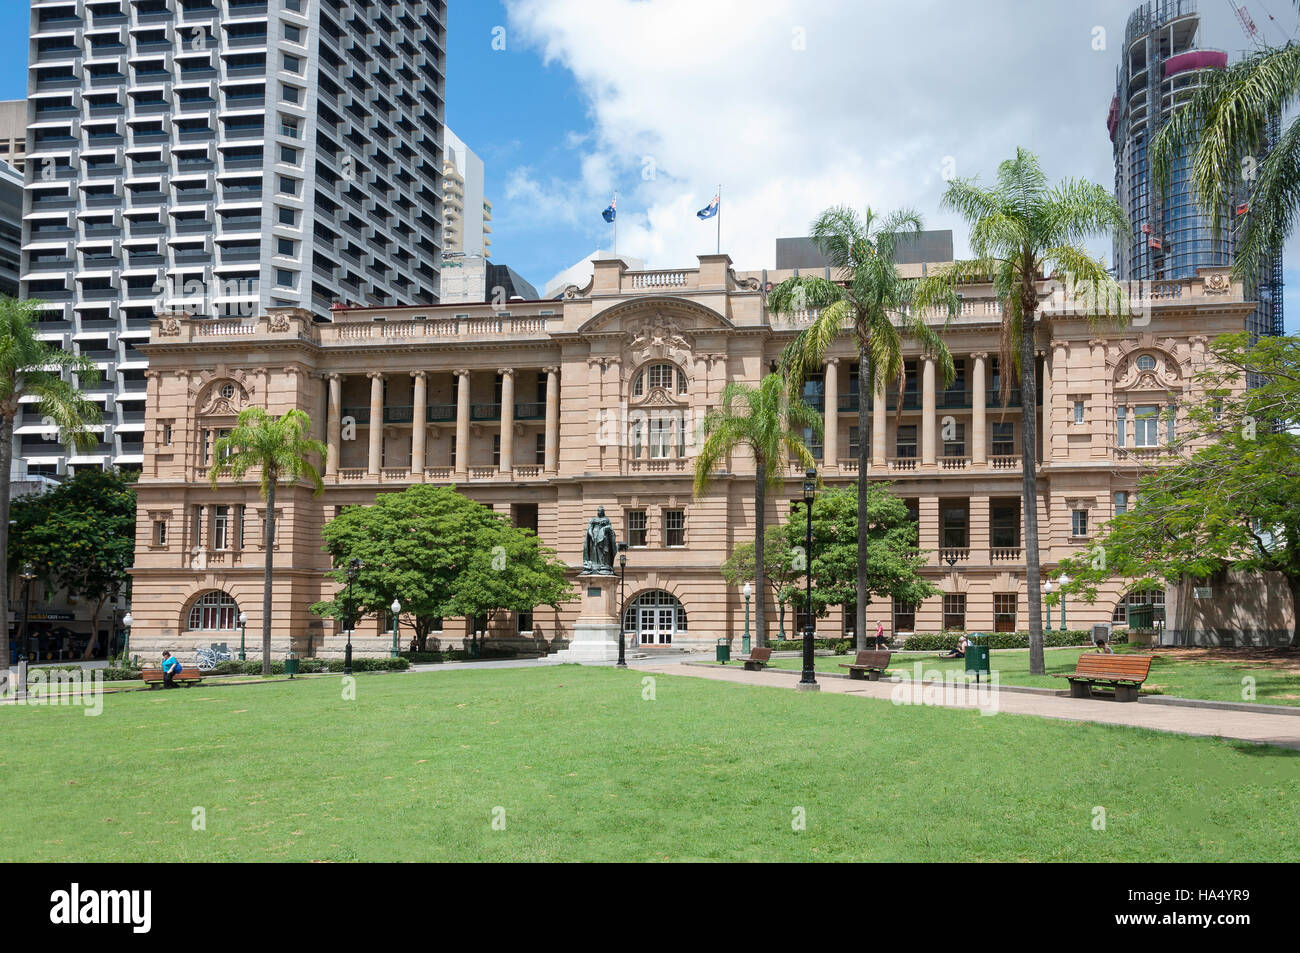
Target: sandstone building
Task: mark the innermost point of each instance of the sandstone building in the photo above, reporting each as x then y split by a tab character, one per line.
548	409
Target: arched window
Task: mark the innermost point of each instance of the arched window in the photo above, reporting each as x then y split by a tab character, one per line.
214	611
1141	597
665	376
655	616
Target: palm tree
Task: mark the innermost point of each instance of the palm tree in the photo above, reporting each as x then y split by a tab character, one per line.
1227	121
1021	229
281	449
768	421
869	297
30	367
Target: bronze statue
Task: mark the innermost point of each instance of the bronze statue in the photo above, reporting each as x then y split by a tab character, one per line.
600	545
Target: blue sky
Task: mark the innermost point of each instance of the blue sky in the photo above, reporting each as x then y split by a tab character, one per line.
793	105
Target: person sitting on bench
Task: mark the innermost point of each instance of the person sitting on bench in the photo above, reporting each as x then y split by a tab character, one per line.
960	650
171	668
1102	644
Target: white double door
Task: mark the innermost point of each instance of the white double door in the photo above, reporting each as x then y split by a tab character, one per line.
656	624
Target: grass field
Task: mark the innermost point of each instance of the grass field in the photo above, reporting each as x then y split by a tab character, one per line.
581	766
1215	679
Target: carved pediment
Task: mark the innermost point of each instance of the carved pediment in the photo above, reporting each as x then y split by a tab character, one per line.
1165	375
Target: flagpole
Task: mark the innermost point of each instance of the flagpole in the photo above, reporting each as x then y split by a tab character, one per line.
719	218
616	222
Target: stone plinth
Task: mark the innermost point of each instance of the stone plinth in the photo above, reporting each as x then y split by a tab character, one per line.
598	629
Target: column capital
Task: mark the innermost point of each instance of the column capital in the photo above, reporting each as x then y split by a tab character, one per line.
551	369
832	362
506	371
419	375
980	355
331	376
375	375
461	372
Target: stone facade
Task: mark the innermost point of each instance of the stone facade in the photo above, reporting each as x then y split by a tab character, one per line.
547	409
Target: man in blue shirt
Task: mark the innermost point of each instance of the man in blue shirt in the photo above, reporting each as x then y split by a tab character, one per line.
171	668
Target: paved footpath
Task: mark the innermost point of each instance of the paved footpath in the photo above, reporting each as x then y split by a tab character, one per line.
1261	727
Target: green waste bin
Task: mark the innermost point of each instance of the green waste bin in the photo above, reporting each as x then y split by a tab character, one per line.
724	650
977	656
291	665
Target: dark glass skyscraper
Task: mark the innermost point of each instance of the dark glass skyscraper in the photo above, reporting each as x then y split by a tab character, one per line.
1162	65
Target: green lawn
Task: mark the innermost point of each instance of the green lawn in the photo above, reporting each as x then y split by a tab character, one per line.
585	768
1211	680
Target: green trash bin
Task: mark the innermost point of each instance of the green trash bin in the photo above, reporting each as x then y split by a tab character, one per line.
291	665
724	650
977	656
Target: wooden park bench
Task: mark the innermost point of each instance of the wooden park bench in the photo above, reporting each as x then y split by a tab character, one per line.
153	677
870	664
758	658
1124	673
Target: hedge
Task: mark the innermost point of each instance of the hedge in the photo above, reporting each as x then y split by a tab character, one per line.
309	666
1054	638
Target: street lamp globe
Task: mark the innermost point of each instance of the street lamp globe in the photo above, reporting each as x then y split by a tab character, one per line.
243	618
748	590
1047	587
1063	580
127	620
396	607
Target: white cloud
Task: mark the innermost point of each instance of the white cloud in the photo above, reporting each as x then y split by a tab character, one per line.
796	105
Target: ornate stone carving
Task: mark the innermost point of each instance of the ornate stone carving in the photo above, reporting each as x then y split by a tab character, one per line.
278	322
1217	283
169	327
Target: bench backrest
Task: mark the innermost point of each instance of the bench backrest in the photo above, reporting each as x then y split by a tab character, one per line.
156	674
874	658
1099	665
760	655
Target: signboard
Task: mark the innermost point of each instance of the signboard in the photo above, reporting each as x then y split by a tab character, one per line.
1202	592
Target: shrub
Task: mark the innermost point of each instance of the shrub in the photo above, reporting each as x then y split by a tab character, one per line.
120	674
946	641
398	664
796	645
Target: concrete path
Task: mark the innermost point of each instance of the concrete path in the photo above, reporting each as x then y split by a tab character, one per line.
1261	727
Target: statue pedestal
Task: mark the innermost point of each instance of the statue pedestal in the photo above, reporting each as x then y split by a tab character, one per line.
598	629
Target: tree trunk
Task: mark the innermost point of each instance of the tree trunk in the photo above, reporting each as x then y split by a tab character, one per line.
760	574
269	536
6	461
94	630
865	379
1295	610
1029	472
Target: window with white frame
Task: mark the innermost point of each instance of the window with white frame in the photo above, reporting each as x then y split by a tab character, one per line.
1078	412
1079	523
1146	425
674	527
214	611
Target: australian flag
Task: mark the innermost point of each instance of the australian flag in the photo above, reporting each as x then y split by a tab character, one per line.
709	210
609	213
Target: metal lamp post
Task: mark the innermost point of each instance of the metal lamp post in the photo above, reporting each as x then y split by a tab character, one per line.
622	608
28	574
243	626
1047	592
747	591
396	607
353	568
1062	581
808	682
126	647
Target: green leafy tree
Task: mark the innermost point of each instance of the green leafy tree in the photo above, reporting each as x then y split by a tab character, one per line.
1222	131
894	564
1230	498
781	568
279	448
30	367
79	536
1020	230
440	554
770	422
868	297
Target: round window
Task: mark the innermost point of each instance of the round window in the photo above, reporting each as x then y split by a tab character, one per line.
1146	363
227	391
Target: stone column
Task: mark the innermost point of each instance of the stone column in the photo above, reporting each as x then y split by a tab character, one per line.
376	423
507	419
552	419
928	450
877	423
462	424
419	423
831	429
1046	430
333	424
979	427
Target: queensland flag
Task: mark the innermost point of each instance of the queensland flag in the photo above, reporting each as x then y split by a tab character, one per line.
609	213
709	210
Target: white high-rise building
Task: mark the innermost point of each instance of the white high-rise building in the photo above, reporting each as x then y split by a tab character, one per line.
222	157
467	215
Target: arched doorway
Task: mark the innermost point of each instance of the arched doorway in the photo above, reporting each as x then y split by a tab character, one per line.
654	617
